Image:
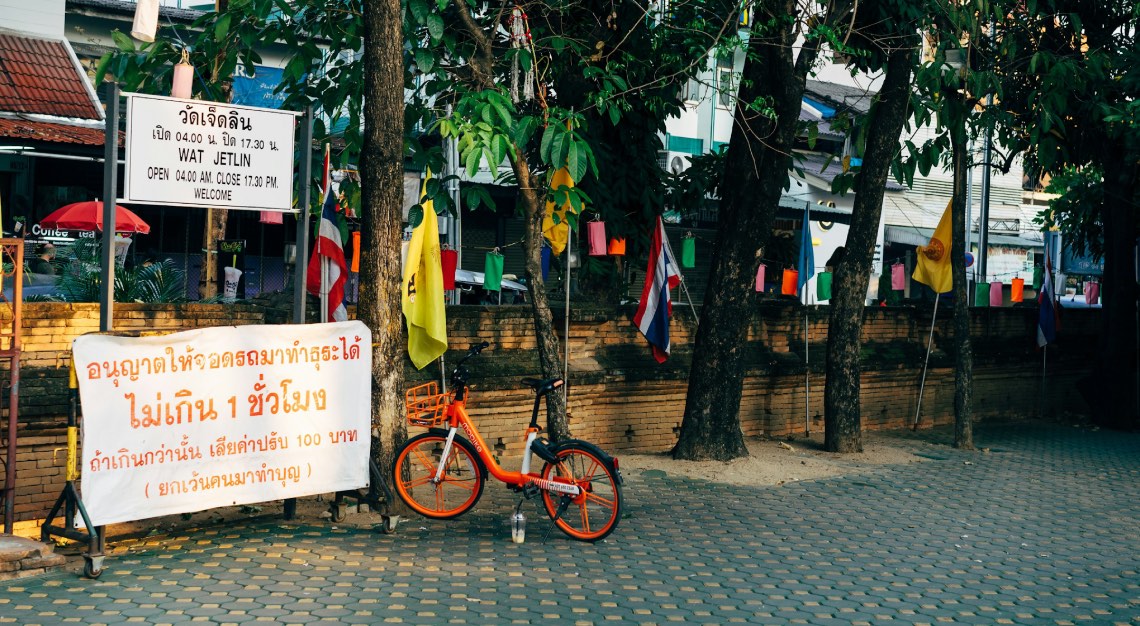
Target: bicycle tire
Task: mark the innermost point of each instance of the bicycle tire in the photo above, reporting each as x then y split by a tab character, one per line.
595	513
461	485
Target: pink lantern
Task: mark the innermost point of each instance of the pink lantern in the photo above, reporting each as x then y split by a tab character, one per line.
183	78
1092	293
898	277
760	278
596	237
995	294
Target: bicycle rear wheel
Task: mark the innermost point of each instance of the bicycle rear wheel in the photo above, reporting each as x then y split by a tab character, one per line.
593	514
458	489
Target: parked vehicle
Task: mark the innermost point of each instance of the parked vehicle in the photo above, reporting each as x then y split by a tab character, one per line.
470	286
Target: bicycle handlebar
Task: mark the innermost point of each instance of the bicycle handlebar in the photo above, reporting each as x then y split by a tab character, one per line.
474	350
459	374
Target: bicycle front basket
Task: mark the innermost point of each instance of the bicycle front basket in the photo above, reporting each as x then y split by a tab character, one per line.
427	407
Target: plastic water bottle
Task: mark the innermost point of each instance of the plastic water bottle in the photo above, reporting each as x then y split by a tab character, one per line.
518	527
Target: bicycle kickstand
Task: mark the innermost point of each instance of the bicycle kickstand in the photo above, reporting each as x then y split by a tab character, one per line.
563	504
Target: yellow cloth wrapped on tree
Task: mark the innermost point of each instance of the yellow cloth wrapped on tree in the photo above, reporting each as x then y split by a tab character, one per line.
557	234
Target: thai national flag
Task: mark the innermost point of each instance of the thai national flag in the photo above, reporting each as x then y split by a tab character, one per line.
328	256
655	307
1047	307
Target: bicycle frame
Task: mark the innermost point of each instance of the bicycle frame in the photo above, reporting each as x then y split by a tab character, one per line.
457	419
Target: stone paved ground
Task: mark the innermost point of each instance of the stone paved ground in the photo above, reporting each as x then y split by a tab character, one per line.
1043	529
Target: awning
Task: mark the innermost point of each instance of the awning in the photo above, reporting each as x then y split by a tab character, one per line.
914	236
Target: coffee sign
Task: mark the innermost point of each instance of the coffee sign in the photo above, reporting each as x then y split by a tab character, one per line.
208	154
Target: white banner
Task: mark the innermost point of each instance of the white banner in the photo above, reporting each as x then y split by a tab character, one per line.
222	416
209	154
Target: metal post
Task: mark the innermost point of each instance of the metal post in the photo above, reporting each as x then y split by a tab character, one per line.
110	193
566	333
984	215
303	217
929	342
807	369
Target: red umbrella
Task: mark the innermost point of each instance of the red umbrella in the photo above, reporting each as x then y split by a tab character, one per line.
89	216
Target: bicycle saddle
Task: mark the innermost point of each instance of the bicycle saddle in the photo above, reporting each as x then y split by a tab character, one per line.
542	386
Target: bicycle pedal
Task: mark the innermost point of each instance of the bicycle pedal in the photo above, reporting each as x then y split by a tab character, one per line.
530	490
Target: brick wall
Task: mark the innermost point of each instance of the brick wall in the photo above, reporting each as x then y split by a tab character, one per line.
49	329
620	397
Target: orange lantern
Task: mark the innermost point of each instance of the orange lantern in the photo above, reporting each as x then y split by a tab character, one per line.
356	251
1017	290
617	246
790	284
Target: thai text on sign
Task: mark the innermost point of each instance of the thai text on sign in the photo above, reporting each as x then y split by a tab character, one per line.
197	153
222	416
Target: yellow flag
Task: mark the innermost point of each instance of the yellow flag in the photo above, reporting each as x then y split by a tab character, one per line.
933	266
421	294
557	234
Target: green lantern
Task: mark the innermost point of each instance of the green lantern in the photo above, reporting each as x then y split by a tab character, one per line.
823	286
982	294
493	272
1038	277
689	253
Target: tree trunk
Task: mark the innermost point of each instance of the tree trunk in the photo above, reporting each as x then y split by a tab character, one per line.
758	161
549	348
532	205
1119	367
216	219
964	362
843	429
382	173
215	230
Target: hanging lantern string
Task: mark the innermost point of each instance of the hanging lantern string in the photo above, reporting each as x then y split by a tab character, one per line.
186	57
496	248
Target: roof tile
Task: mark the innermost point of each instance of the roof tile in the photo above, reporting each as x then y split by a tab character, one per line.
26	130
40	76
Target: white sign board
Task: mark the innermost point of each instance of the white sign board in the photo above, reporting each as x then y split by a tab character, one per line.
222	416
197	153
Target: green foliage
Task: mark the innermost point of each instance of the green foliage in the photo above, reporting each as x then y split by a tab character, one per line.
1070	77
1076	209
82	278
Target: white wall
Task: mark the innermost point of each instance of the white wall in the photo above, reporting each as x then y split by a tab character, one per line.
43	17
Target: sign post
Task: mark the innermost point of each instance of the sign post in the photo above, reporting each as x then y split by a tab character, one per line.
208	154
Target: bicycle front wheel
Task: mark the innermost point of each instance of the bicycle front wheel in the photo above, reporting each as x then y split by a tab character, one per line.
456	490
594	513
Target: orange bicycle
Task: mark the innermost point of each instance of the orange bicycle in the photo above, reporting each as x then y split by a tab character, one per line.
441	474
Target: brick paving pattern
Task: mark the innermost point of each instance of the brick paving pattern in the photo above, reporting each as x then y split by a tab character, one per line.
1042	529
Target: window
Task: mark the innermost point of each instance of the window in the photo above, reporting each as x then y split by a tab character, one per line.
724	84
691	91
725	75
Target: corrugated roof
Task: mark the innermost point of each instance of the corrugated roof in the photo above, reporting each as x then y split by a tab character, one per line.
126	7
912	235
813	164
823	126
42	76
49	132
842	97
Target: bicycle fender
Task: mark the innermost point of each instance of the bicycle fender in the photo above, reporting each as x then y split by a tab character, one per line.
593	448
443	432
